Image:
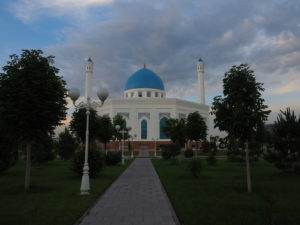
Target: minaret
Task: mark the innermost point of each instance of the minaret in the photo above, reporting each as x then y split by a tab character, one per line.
88	80
200	71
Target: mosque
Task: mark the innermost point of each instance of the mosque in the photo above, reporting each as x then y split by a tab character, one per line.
145	107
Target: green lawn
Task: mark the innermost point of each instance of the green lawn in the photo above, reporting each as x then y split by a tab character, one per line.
218	196
54	198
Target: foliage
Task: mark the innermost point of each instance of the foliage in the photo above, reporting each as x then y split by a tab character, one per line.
43	149
236	151
286	155
113	157
205	146
78	123
66	145
32	98
95	160
105	130
175	129
8	152
196	128
241	111
119	120
188	153
195	166
170	151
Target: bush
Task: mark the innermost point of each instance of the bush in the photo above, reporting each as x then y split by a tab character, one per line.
170	151
113	157
195	166
66	145
95	160
189	153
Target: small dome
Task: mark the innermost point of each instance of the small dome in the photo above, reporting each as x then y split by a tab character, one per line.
144	78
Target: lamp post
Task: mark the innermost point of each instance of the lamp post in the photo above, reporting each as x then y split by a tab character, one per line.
154	139
123	131
74	94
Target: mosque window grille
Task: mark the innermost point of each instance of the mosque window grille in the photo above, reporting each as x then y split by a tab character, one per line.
140	94
156	94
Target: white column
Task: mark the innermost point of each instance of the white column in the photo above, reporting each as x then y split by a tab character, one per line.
88	76
200	71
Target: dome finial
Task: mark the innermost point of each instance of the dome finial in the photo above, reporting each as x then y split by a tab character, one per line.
144	63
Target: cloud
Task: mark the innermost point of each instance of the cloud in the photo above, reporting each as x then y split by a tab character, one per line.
170	35
31	10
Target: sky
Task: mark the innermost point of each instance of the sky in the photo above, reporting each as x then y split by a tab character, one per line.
170	35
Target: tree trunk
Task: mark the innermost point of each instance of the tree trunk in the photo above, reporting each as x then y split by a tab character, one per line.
105	148
248	172
28	166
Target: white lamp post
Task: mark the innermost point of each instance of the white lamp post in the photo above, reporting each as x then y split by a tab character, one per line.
154	139
123	131
74	95
132	149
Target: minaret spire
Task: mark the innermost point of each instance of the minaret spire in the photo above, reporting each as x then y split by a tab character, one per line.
200	71
144	63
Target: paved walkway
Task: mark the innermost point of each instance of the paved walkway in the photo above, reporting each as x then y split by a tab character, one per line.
135	198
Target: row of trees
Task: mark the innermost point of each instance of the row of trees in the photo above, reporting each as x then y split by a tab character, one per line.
179	131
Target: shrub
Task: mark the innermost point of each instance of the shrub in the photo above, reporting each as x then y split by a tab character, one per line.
195	166
95	160
113	157
189	153
170	150
66	145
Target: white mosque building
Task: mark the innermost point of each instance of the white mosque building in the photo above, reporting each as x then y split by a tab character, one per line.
145	107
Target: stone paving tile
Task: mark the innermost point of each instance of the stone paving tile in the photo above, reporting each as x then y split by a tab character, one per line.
135	198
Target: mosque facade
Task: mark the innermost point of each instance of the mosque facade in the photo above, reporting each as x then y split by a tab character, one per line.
145	107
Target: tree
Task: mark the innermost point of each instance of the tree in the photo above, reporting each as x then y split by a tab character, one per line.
43	149
66	144
119	120
78	123
196	128
175	129
241	111
286	142
32	99
106	130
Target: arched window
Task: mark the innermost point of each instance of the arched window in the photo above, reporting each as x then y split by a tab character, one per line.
162	123
144	129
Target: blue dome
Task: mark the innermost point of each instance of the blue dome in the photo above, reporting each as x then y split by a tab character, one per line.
144	78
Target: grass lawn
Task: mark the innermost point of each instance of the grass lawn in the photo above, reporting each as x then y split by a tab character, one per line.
219	197
54	198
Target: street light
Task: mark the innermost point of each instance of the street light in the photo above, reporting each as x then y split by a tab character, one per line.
74	94
155	139
123	131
